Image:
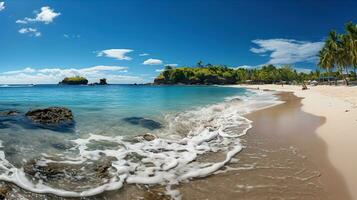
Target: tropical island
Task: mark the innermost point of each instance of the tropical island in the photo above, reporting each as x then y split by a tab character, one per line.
79	80
76	80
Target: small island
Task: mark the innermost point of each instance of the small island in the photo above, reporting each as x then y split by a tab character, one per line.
79	80
75	80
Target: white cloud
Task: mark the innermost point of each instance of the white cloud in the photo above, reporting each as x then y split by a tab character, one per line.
69	36
143	54
119	54
46	15
159	70
114	74
247	67
2	5
152	61
287	51
171	65
30	32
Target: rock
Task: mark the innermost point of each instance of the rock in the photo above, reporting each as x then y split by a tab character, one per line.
4	190
103	81
146	123
50	116
149	137
9	113
47	170
72	172
102	168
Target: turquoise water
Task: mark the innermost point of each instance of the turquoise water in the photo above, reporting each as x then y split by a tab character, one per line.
101	109
187	121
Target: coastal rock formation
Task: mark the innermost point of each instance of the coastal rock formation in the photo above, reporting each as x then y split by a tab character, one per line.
146	123
50	116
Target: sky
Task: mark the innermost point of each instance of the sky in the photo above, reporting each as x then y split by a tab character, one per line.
130	41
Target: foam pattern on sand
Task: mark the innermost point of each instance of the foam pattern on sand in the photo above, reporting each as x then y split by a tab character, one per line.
175	155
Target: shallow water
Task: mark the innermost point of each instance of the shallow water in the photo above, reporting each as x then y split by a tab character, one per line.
189	121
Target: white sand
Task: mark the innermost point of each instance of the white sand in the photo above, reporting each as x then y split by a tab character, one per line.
339	105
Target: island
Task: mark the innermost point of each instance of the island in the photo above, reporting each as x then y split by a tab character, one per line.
75	80
79	80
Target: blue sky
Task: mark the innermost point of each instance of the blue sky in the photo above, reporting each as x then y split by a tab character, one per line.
130	41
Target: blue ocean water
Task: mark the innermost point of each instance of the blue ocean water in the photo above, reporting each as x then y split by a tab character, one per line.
101	109
200	119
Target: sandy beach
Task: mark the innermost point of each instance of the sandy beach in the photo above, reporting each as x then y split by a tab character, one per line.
283	158
338	105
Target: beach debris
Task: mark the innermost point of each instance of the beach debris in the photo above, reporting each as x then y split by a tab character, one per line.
146	123
347	110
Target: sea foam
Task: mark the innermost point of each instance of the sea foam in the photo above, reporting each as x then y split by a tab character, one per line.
176	155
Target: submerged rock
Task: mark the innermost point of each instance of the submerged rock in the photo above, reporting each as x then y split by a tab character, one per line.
146	123
51	115
54	118
9	113
56	171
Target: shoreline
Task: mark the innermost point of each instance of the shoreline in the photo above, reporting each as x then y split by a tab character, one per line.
272	163
338	105
277	161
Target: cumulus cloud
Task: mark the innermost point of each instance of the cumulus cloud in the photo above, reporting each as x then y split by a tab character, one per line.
119	54
114	74
152	61
287	51
143	54
2	5
30	31
46	15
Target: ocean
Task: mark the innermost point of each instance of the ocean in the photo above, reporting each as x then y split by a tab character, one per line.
106	149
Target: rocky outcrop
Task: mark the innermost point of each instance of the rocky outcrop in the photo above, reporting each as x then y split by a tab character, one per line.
50	116
146	123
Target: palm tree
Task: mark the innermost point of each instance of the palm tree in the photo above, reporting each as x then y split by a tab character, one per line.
326	61
351	30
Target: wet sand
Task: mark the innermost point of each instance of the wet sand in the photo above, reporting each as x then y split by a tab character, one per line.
283	158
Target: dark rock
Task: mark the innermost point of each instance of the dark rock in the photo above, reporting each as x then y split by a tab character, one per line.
146	123
46	171
9	113
53	118
72	172
103	81
148	137
51	115
102	168
4	190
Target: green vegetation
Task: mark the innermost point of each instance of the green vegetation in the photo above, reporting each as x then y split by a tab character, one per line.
76	80
217	74
340	54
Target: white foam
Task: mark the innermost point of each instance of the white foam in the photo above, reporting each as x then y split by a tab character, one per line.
172	158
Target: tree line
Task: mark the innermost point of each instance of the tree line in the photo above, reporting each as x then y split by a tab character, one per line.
220	74
339	53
